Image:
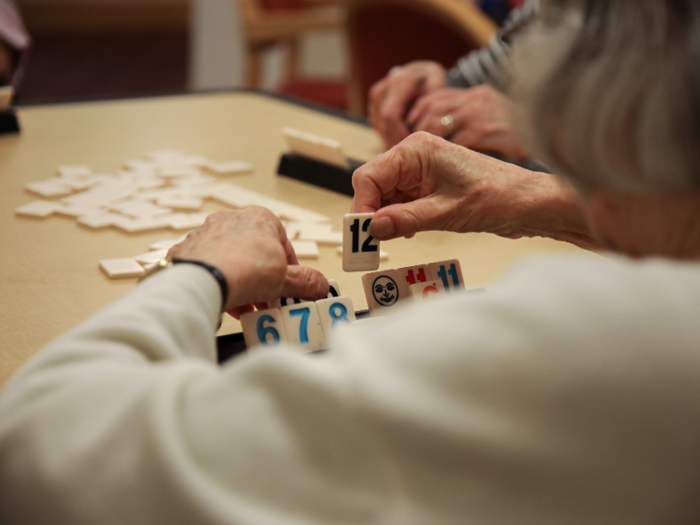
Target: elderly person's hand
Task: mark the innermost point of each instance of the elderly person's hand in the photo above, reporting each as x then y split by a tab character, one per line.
391	98
251	249
478	118
426	183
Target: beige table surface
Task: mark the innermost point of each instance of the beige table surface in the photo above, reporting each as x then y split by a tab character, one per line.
50	276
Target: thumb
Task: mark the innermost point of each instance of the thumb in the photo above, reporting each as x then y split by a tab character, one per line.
305	283
407	219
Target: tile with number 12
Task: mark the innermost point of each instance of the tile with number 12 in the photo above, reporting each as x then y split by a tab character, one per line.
360	249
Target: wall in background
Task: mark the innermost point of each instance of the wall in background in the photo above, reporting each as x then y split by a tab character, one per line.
45	16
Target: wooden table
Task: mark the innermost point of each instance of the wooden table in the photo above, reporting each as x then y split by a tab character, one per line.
51	280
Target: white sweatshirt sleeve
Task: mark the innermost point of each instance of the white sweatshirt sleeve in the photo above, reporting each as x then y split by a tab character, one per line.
568	395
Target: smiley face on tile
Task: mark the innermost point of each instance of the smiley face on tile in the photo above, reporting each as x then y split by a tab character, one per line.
385	290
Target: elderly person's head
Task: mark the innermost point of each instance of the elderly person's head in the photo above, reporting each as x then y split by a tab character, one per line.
609	94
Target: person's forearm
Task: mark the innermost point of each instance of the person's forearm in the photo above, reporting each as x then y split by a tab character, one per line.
555	210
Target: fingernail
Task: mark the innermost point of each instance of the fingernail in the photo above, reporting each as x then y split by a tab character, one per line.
383	228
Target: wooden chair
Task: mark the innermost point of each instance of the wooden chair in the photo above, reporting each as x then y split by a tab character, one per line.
387	33
269	23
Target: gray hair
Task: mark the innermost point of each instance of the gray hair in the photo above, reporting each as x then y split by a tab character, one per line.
607	92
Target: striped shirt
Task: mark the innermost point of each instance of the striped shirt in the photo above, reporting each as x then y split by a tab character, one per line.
485	65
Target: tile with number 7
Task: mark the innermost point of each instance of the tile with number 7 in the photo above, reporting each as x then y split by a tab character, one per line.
450	273
334	312
303	326
263	329
360	249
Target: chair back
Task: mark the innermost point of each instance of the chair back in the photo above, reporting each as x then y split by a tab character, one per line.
387	33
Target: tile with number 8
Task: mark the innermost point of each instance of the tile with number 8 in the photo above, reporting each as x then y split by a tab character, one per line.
263	329
360	249
335	311
303	326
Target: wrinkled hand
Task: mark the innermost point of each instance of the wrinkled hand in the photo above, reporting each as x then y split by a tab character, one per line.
251	249
481	116
391	98
426	183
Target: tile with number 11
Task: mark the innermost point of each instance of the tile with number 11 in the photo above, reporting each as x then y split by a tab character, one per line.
360	249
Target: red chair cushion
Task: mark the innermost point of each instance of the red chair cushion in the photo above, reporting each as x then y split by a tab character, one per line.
328	92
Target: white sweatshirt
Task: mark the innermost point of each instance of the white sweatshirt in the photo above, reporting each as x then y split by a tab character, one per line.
567	394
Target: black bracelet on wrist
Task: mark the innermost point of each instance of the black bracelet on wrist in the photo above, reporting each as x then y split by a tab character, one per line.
216	273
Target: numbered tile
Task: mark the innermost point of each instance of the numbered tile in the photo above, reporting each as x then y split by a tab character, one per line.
333	289
450	273
415	274
426	291
335	311
121	268
263	329
360	249
284	301
411	275
303	326
382	290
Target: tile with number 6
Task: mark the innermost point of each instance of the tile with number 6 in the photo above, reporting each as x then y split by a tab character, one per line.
360	249
303	326
450	273
335	311
263	329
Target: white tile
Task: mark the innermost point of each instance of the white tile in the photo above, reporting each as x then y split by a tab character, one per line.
410	275
318	148
382	290
74	170
184	221
49	188
151	257
139	209
294	228
284	301
305	249
179	171
335	311
186	184
263	329
426	291
326	239
334	289
229	168
78	210
109	190
79	183
360	249
121	268
164	244
383	255
450	273
295	213
139	225
303	326
38	208
156	193
180	202
99	220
